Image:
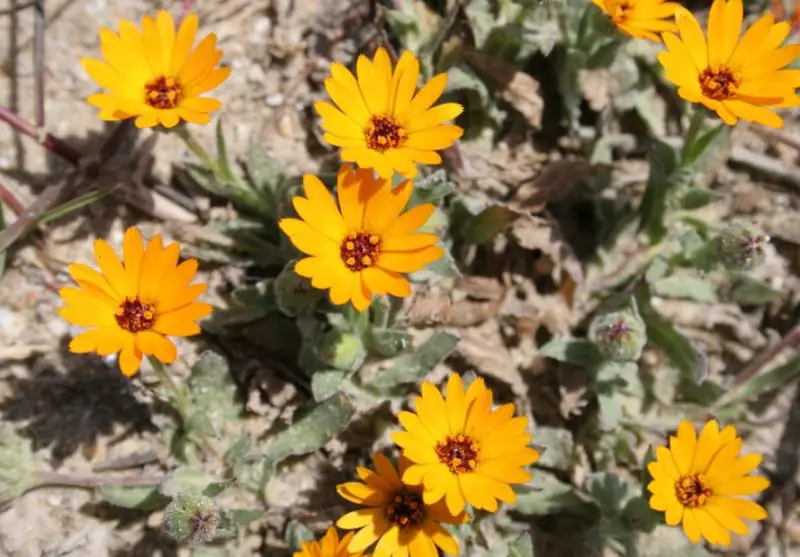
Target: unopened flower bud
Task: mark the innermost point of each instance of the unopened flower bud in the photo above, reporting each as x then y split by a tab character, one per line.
17	470
740	246
619	335
340	350
294	294
191	518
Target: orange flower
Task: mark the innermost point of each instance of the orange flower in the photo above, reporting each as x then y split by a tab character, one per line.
131	308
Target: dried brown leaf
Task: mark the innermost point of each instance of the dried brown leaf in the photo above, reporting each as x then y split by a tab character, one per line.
484	348
439	309
556	181
535	233
516	87
595	85
481	288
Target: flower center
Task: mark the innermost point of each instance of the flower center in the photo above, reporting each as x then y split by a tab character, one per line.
384	132
163	92
693	490
620	11
459	453
406	509
718	84
134	316
360	250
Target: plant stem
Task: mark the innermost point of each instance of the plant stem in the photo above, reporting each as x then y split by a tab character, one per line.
46	478
167	381
695	126
194	146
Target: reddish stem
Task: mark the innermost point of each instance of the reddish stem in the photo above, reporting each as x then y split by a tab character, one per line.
9	199
48	141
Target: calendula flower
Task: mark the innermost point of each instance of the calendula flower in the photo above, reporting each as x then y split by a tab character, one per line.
362	245
380	123
641	19
154	75
329	546
699	481
735	77
463	451
131	306
395	515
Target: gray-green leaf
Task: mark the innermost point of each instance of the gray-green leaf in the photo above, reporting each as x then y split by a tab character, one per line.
576	351
413	366
143	498
686	287
522	547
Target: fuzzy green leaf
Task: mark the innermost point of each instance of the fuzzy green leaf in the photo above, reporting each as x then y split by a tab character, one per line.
483	227
297	533
413	366
578	351
766	382
663	164
326	383
388	343
559	447
748	291
213	391
241	517
522	547
143	498
685	287
609	491
431	189
703	151
546	495
307	432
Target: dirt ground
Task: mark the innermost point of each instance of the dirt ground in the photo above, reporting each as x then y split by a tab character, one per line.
83	417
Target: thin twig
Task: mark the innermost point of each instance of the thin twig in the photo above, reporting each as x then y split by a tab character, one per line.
11	200
48	141
47	478
38	61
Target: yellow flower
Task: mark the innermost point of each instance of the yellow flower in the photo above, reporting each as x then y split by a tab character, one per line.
329	546
363	244
735	77
380	123
395	515
697	481
154	75
641	19
131	308
462	450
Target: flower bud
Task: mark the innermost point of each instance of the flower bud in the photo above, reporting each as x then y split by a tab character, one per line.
17	467
191	518
740	246
340	350
294	294
619	335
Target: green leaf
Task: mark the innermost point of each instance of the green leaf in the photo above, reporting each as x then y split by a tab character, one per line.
578	351
765	382
239	452
200	423
483	227
610	410
307	432
326	383
604	56
679	349
522	547
685	287
71	206
432	189
222	154
266	173
559	447
638	515
143	498
297	533
706	148
213	391
413	366
388	343
546	495
663	164
242	517
184	479
748	291
609	491
696	198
